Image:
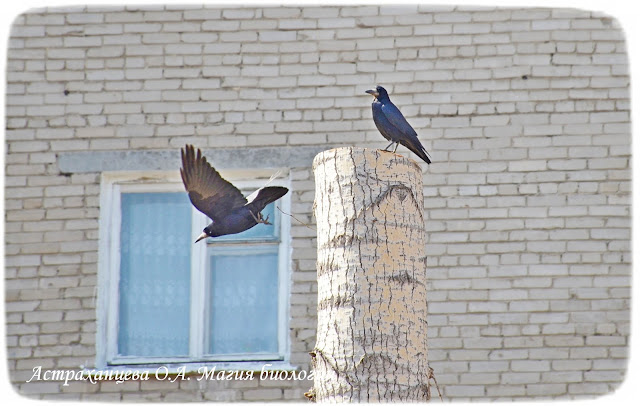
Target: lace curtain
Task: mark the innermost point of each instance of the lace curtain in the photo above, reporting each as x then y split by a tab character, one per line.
244	301
155	245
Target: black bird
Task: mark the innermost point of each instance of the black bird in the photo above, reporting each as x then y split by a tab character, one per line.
230	212
392	124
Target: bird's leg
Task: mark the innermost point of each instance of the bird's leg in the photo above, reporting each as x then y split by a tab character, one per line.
389	145
259	219
394	150
263	220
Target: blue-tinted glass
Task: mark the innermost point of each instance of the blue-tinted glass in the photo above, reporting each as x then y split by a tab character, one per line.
259	231
155	247
244	300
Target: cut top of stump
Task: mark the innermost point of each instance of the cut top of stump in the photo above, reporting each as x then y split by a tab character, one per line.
378	156
367	173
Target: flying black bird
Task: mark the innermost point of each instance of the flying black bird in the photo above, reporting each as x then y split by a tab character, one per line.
392	124
230	212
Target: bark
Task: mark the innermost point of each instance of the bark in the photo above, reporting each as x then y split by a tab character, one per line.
372	297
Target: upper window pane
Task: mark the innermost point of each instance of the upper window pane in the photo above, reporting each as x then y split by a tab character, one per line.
155	247
243	300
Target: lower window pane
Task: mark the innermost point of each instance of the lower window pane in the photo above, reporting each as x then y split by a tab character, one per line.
244	301
155	247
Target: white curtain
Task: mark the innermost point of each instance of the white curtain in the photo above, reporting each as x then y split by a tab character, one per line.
155	277
244	300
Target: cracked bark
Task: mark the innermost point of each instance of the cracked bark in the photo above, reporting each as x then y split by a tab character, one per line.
372	299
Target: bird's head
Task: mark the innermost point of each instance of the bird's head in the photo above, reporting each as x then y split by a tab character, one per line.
207	232
379	93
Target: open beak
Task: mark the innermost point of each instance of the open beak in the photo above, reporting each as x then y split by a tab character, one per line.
372	93
201	237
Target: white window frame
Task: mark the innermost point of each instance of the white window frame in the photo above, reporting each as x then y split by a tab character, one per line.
112	185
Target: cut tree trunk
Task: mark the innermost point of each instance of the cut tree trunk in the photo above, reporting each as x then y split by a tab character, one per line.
372	295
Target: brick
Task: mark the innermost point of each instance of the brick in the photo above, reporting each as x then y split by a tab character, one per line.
277	36
530	366
588	388
464	390
43	316
263	394
482	342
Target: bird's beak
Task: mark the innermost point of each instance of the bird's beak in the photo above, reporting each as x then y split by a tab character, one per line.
373	93
201	237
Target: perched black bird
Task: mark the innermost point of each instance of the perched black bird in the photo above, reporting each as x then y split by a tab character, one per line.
230	212
392	124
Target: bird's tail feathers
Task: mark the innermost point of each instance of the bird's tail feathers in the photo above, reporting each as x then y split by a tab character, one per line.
266	195
418	149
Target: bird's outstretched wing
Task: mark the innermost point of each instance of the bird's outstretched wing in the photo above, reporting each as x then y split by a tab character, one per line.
208	191
395	117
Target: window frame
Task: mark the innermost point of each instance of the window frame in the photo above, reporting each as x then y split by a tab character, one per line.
112	185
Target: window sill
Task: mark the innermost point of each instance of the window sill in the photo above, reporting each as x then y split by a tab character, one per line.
196	368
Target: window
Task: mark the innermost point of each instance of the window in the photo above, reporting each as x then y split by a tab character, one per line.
164	299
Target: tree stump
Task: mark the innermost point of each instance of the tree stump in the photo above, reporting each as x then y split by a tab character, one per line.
372	295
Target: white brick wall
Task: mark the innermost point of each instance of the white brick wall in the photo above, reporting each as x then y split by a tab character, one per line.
525	112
